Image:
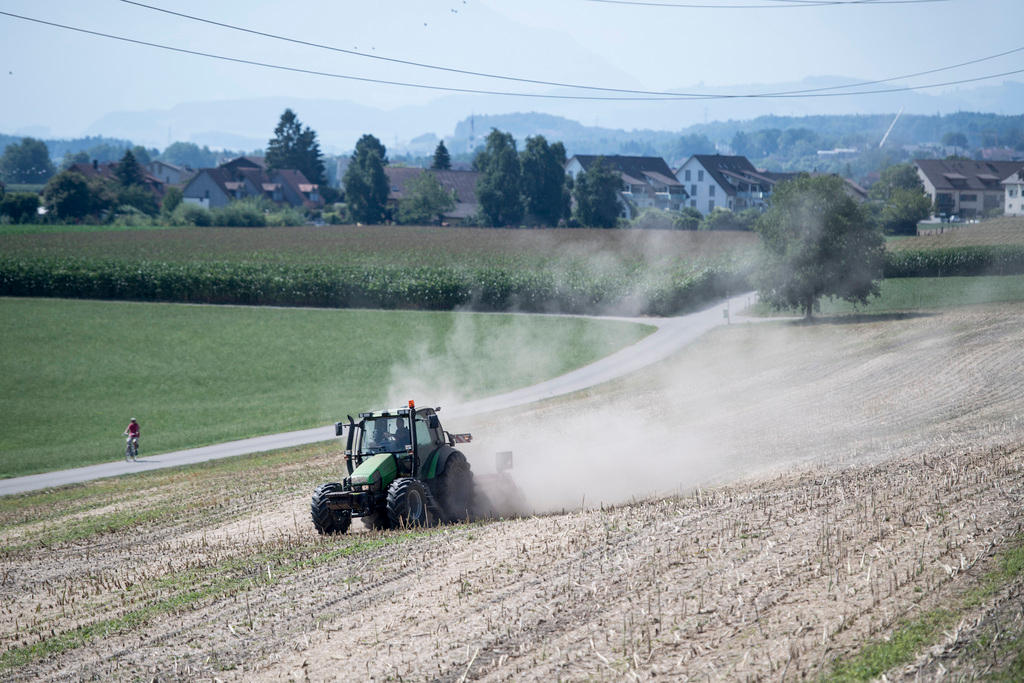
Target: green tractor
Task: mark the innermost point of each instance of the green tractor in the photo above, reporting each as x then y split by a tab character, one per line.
403	470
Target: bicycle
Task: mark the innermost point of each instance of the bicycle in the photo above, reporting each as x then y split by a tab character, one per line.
131	449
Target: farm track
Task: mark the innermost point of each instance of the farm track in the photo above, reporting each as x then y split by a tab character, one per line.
852	476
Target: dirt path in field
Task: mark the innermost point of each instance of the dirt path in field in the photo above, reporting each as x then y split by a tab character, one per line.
839	479
672	335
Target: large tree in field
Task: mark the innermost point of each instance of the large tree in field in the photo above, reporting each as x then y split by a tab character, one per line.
366	184
544	187
296	147
27	161
817	242
499	189
597	196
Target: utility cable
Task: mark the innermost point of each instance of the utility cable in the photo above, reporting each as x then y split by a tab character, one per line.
781	4
623	91
425	86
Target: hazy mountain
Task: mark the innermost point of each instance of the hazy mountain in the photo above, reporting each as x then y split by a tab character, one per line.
248	124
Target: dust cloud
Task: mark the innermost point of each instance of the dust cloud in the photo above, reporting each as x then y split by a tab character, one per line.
750	400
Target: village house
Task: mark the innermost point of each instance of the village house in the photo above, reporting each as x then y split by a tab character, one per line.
245	177
966	188
169	174
108	171
461	183
1014	189
647	182
717	181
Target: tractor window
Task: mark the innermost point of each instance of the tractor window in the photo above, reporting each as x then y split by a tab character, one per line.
424	439
385	435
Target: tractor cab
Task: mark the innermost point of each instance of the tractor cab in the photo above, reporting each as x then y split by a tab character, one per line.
412	435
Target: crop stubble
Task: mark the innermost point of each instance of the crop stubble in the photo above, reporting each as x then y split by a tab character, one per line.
771	575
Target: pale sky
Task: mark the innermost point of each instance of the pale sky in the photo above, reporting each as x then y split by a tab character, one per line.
63	81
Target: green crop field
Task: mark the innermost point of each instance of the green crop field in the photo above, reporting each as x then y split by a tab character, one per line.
569	271
1004	230
73	372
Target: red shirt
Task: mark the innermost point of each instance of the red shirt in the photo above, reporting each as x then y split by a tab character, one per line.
133	429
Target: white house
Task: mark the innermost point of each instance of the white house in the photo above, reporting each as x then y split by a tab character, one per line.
1013	187
716	181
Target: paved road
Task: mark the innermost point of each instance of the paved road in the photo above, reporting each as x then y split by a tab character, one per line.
672	334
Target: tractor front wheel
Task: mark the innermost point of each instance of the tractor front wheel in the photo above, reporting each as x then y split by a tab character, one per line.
326	520
410	504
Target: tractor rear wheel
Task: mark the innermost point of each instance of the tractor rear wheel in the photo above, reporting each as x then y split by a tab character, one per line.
410	504
326	520
455	487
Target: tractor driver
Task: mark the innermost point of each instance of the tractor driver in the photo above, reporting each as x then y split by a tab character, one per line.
402	433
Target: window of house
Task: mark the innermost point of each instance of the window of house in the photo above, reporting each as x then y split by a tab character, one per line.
1013	193
711	205
687	174
693	190
700	175
693	203
968	197
711	190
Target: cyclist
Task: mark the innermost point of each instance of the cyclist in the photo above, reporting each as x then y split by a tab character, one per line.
132	431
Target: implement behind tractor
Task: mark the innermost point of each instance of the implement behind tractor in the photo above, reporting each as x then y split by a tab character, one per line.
403	470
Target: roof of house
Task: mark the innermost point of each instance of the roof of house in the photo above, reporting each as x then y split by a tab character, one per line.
634	167
463	183
960	174
108	170
245	160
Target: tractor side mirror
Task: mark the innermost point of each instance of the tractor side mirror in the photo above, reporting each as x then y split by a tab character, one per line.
339	427
433	422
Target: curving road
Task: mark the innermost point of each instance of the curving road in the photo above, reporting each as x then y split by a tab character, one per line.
672	334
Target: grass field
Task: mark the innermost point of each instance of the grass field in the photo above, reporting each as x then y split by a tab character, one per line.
925	293
73	372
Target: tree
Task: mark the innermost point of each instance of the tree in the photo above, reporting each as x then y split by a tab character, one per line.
69	196
543	177
128	170
172	199
296	147
19	207
188	154
597	196
904	210
499	188
817	242
955	140
442	160
366	184
26	162
688	218
897	176
425	202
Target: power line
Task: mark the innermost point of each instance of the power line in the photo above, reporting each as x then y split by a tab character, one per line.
780	4
425	86
577	86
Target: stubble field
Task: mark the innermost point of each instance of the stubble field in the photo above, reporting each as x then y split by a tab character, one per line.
764	506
